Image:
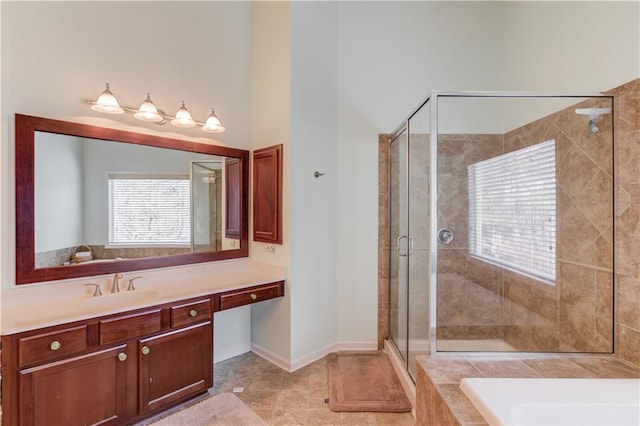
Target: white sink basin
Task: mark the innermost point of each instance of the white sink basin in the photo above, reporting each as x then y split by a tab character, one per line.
124	298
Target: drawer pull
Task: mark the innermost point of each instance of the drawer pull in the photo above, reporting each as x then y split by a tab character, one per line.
145	350
55	345
122	356
193	313
253	296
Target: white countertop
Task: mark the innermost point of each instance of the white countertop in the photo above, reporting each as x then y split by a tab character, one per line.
30	307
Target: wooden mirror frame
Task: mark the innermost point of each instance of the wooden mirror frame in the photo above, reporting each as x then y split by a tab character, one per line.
26	272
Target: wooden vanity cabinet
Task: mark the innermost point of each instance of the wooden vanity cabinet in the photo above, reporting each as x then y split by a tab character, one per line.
175	365
115	369
109	370
83	390
246	296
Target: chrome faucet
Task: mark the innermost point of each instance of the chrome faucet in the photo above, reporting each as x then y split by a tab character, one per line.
115	288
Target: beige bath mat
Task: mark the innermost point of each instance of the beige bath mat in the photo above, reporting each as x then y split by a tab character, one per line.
224	409
364	381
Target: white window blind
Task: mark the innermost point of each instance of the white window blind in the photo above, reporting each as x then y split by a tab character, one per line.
149	210
512	210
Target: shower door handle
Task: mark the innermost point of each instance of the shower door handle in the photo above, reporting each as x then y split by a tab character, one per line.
398	245
410	245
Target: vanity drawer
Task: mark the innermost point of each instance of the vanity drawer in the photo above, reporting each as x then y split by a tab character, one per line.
246	296
48	346
129	326
190	313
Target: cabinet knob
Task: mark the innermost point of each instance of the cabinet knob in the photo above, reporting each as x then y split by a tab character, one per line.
193	313
253	296
145	350
122	356
55	345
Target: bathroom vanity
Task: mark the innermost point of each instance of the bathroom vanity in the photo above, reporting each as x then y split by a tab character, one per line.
70	357
120	366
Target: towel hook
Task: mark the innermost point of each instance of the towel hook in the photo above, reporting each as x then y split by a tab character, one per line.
318	174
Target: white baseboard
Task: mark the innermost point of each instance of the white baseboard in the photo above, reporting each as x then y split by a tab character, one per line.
340	346
271	357
311	357
230	352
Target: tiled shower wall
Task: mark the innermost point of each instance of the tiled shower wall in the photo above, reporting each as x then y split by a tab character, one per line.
477	300
383	238
536	316
627	221
575	314
469	291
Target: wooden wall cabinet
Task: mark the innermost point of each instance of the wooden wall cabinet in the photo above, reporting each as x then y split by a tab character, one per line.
267	195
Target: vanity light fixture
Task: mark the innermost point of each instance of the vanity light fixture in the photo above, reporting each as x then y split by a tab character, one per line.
212	125
148	112
183	118
211	177
107	103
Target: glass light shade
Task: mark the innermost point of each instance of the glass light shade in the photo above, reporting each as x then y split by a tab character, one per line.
148	112
210	178
213	125
107	103
183	118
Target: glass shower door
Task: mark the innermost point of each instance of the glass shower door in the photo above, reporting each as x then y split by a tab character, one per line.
419	237
525	254
398	243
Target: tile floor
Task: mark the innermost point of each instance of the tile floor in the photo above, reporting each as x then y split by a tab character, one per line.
298	398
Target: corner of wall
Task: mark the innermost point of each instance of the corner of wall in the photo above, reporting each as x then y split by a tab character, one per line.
270	124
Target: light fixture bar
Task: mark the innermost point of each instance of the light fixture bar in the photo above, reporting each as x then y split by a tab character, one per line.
149	113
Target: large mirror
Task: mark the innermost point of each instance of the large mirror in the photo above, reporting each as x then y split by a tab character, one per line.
92	200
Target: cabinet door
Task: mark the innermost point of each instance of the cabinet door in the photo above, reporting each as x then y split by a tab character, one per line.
85	390
267	195
175	365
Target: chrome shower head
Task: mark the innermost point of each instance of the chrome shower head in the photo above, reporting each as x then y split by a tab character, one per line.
593	114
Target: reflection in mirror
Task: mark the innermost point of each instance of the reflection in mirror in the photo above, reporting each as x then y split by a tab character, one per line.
206	213
123	201
93	200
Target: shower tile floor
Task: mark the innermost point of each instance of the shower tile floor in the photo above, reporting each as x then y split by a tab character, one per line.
283	398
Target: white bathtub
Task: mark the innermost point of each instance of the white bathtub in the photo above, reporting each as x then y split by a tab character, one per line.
555	401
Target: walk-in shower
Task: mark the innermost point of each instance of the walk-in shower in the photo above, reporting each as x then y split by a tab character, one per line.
501	225
207	202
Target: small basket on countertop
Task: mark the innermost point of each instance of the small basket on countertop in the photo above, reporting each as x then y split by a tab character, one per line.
82	254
